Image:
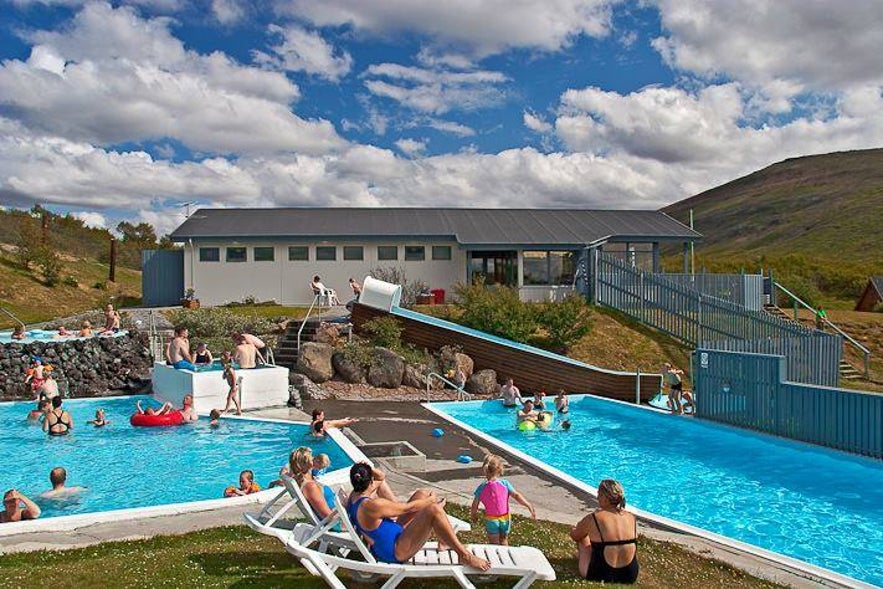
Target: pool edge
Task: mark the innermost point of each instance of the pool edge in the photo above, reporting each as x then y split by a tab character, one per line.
804	567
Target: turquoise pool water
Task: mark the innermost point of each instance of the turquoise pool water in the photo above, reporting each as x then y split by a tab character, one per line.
48	335
124	466
806	502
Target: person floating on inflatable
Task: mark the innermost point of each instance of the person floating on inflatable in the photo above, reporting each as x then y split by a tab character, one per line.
527	417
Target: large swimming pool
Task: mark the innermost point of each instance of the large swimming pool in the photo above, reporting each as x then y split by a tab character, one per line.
806	502
124	466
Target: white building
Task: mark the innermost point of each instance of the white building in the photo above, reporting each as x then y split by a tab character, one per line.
272	254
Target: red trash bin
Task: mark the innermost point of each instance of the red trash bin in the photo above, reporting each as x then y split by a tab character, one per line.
439	294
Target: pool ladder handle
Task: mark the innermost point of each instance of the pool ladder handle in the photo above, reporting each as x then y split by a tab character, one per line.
461	394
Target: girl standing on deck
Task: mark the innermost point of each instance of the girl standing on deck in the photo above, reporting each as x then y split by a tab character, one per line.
230	376
494	494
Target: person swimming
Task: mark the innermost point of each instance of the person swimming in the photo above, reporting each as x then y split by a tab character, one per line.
100	420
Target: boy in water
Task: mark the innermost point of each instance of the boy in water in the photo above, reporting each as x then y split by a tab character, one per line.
494	494
247	486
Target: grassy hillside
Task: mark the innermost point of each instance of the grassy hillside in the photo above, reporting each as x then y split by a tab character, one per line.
816	220
24	293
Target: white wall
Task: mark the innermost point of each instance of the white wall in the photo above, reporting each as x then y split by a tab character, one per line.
288	282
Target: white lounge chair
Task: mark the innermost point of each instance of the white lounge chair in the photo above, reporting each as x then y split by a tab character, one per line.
525	563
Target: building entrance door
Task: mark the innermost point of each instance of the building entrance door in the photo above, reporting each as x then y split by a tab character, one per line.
498	267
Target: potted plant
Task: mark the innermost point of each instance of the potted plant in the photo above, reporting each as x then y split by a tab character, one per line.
190	301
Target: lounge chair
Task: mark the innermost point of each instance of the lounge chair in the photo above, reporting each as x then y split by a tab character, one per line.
525	563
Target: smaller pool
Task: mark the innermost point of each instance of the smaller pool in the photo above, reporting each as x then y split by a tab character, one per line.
125	466
48	335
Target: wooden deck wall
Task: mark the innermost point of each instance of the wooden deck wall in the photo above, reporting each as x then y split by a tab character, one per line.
530	371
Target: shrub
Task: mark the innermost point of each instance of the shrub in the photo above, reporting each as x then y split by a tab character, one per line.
70	281
219	323
566	322
397	275
496	310
358	351
101	285
878	308
385	332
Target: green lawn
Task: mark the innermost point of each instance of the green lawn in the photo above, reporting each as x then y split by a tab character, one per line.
236	557
269	311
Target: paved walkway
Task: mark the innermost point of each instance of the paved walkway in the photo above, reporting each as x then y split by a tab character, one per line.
409	421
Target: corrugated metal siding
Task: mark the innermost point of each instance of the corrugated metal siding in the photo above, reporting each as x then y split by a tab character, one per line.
162	277
750	391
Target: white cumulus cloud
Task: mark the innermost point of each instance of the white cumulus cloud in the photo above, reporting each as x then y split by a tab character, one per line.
300	50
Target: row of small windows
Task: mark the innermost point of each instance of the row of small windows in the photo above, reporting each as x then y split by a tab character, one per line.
301	253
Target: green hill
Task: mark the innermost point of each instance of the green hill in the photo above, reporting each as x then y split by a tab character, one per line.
814	220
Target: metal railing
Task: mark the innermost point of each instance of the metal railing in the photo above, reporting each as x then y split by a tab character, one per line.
745	290
846	337
13	317
461	393
156	343
306	317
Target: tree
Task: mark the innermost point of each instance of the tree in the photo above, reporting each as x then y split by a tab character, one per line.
142	235
566	322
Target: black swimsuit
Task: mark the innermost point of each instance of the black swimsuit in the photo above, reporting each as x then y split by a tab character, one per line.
599	570
202	358
58	421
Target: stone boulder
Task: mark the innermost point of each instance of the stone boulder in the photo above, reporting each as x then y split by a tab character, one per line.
414	376
301	387
483	383
387	369
314	360
327	333
464	363
346	369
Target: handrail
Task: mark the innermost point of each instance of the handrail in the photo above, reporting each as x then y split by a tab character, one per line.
304	321
459	388
13	317
846	336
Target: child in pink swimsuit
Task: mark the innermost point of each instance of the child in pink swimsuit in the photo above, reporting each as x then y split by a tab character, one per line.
494	494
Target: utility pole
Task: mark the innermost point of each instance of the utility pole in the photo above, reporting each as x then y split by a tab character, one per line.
44	227
112	274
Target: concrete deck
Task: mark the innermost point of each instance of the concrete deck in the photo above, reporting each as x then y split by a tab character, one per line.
383	421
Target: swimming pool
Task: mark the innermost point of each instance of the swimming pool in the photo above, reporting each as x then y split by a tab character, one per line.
813	504
125	467
48	335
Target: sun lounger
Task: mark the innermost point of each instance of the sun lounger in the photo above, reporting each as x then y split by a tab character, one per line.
525	563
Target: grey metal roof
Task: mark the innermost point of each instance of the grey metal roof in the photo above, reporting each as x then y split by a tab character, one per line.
479	227
877	281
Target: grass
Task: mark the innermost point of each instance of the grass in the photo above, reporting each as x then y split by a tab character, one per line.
269	311
24	294
236	557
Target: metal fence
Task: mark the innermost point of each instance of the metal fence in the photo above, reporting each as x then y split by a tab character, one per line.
745	290
162	277
751	391
696	318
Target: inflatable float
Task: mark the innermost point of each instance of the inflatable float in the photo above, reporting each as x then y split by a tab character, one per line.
146	420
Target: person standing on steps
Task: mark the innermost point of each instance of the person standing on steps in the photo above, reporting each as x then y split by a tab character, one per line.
821	318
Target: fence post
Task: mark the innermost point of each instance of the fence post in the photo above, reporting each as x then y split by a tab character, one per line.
637	386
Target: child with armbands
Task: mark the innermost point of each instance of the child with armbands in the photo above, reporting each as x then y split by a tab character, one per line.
247	486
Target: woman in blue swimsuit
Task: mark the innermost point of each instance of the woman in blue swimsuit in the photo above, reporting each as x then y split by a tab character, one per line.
397	531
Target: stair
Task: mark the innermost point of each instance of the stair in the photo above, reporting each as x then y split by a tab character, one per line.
286	351
778	312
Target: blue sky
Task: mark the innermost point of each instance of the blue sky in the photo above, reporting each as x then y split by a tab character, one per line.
126	110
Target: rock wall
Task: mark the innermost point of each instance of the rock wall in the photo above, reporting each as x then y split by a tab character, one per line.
84	368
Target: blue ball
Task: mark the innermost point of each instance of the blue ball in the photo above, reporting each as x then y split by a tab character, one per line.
464	458
438	432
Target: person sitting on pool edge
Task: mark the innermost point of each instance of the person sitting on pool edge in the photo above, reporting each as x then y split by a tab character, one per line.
247	486
319	424
607	538
58	478
57	422
17	507
178	351
397	531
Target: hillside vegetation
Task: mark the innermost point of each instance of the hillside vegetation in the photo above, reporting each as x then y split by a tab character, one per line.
814	220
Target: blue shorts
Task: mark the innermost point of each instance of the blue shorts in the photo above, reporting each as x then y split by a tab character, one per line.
184	365
498	525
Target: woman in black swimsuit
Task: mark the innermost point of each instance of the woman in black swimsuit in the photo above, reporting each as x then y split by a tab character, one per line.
607	538
57	422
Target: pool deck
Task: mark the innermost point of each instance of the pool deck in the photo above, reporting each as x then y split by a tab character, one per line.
391	421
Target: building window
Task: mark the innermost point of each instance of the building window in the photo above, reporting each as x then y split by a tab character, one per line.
387	252
353	252
264	254
549	268
441	252
209	254
415	253
237	254
298	253
326	253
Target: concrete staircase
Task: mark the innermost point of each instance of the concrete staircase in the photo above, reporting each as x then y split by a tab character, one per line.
286	351
847	370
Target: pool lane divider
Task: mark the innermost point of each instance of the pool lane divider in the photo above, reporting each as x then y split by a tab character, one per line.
794	565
